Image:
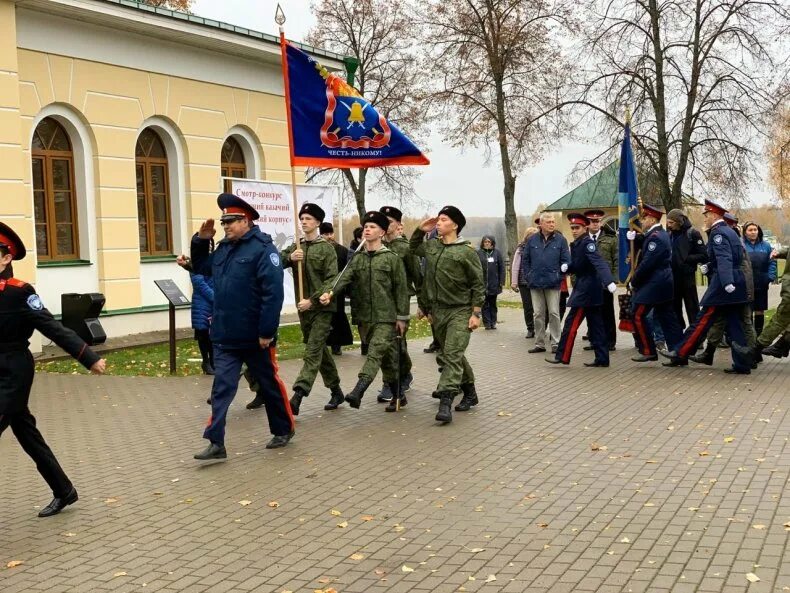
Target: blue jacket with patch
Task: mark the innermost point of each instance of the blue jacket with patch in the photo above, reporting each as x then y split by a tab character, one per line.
652	280
725	253
248	288
591	271
541	260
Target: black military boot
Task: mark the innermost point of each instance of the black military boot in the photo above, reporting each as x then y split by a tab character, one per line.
385	395
445	413
706	356
296	400
396	402
213	451
257	402
779	349
336	399
208	369
469	399
354	398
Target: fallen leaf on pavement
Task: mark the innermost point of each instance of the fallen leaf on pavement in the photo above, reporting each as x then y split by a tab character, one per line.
68	534
729	439
405	568
476	550
274	504
625	540
504	414
491	578
119	574
758	526
110	500
367	517
357	556
245	503
14	563
543	524
335	512
343	525
751	577
597	447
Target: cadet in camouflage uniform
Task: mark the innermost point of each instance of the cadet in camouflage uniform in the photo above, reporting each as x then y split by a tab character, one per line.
380	305
453	293
395	241
780	322
319	263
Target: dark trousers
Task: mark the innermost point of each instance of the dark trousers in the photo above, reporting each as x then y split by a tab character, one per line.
595	330
685	297
204	344
490	311
563	303
664	315
609	322
526	302
697	331
262	365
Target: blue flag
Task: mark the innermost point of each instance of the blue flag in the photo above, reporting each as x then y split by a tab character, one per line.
332	125
628	208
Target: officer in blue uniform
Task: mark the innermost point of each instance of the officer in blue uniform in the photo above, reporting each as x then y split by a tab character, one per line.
248	297
586	300
21	311
724	297
653	287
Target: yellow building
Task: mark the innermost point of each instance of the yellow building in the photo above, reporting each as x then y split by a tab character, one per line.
117	122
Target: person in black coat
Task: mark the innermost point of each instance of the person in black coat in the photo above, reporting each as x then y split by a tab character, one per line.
688	252
493	276
21	312
340	334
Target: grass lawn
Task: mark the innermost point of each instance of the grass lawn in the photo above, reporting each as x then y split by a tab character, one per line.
154	360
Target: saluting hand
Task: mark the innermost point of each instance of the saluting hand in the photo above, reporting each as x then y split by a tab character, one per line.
207	230
297	255
99	367
428	224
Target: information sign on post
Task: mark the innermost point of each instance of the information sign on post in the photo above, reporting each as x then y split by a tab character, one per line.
175	299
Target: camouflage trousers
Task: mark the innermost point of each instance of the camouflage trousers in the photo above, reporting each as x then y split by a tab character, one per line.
316	326
716	331
451	328
779	323
380	338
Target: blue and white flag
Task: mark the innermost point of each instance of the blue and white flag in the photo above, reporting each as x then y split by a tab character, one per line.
628	206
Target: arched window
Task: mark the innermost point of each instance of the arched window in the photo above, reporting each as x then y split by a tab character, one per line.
233	164
54	203
153	196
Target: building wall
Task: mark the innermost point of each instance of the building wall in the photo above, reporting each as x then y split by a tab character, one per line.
105	86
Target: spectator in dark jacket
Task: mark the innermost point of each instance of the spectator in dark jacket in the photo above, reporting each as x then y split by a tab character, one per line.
519	282
545	259
763	270
688	251
493	276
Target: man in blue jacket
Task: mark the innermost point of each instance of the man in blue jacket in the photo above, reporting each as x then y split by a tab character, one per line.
248	297
653	287
724	297
545	259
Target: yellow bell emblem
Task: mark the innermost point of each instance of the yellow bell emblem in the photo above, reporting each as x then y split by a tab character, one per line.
356	114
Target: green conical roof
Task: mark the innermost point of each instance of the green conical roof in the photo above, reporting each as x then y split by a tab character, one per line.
599	191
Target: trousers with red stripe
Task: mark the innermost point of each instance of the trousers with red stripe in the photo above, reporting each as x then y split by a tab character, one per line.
664	315
262	364
697	331
595	330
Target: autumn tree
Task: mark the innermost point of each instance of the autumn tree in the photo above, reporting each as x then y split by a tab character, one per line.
494	68
701	76
377	34
779	154
180	5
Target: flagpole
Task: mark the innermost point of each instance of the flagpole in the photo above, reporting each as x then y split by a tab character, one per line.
279	18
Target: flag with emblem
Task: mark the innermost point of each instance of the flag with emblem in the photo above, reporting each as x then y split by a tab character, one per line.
628	208
331	124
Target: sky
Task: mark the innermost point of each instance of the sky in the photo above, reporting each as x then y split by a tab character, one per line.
456	177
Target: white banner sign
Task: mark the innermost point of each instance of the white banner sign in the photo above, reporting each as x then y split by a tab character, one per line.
274	203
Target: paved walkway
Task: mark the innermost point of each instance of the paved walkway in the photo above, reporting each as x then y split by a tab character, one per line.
632	478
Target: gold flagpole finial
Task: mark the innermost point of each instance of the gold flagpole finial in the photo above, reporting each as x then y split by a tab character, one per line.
279	16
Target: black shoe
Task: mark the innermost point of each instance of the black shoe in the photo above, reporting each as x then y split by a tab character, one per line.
436	395
396	402
734	371
58	504
405	383
279	440
612	348
554	361
385	395
337	350
595	363
296	400
469	399
530	333
255	403
675	362
337	398
445	413
644	358
207	368
779	349
208	400
590	347
354	398
213	451
433	347
489	327
704	357
536	349
364	349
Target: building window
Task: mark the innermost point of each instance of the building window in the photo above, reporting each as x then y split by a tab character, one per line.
233	164
55	209
153	195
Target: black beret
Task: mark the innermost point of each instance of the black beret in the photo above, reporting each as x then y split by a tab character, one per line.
455	215
12	241
313	210
233	206
376	218
392	212
326	228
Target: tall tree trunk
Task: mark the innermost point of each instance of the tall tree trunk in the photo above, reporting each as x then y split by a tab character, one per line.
358	189
509	189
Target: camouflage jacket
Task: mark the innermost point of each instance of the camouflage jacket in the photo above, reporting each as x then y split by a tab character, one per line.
379	293
453	274
411	263
607	247
319	264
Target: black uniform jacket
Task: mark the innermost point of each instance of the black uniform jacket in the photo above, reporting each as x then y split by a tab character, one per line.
21	311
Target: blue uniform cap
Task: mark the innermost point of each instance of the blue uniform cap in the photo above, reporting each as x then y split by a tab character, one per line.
234	207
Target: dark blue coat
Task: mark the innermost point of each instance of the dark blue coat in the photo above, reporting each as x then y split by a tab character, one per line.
493	271
202	300
652	280
591	271
248	288
763	267
725	253
542	260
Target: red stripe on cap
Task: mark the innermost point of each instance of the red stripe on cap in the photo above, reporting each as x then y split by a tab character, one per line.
236	210
11	244
580	221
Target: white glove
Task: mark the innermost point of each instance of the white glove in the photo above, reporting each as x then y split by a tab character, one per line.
612	287
630	235
703	268
729	288
564	268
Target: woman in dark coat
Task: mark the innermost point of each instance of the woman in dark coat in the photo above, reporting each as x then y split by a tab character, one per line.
493	276
763	270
